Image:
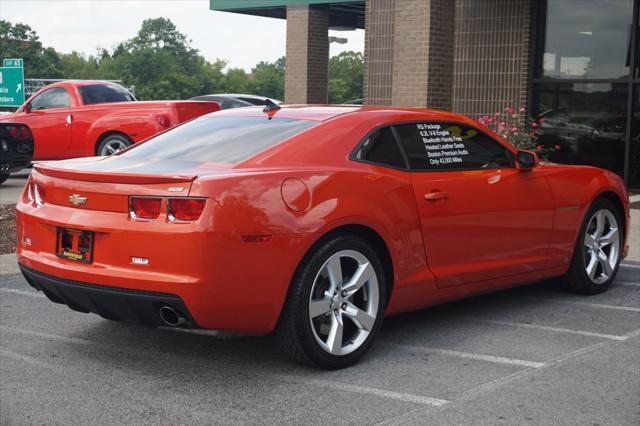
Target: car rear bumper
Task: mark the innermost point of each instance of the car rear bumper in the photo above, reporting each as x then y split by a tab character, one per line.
113	303
223	282
12	162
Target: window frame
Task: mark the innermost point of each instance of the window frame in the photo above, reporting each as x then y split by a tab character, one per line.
354	151
49	91
352	156
117	86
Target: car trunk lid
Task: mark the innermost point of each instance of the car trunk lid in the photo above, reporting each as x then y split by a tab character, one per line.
106	184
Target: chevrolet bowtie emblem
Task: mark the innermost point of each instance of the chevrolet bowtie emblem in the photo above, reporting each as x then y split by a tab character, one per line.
77	200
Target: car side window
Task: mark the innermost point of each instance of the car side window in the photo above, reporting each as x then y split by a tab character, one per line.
451	146
52	98
381	147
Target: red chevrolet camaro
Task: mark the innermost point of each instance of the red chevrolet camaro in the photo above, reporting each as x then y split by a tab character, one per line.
313	221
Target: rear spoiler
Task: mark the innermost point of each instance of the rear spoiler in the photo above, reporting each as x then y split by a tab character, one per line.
108	177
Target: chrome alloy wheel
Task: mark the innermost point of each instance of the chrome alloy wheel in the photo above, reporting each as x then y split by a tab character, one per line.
344	301
601	246
113	146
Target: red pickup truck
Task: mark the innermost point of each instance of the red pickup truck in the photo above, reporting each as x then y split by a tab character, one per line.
86	118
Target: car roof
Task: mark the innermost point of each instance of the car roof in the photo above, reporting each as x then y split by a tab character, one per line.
327	112
242	95
86	83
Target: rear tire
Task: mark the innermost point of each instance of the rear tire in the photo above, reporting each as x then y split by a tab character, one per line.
596	257
335	304
112	143
3	178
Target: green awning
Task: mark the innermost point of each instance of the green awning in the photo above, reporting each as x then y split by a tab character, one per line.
342	13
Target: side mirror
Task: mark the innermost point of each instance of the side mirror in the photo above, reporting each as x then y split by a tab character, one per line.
27	107
527	160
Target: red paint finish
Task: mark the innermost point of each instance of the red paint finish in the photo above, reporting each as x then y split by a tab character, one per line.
448	235
295	194
74	131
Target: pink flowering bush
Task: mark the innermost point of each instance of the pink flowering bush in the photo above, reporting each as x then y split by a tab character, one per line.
518	129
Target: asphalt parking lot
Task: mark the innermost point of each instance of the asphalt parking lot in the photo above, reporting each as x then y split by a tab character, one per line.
532	355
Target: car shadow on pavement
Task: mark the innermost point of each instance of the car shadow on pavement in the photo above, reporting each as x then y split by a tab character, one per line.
204	348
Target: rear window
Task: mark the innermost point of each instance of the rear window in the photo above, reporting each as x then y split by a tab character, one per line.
219	139
104	93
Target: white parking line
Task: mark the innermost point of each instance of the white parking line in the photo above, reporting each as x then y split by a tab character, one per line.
26	359
591	305
363	390
557	330
474	356
627	283
21	292
399	396
629	265
46	335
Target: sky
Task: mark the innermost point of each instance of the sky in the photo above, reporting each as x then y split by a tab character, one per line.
85	26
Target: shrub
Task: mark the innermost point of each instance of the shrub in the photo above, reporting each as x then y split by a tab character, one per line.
519	129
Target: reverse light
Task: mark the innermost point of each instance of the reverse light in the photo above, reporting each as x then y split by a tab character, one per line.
38	194
145	207
185	209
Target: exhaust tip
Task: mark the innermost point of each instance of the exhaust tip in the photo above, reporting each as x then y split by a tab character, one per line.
171	317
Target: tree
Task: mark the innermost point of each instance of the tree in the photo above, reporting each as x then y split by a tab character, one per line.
267	79
160	62
346	72
20	41
78	66
235	81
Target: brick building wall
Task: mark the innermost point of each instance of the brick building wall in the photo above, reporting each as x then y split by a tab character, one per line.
423	53
492	55
307	54
378	52
469	56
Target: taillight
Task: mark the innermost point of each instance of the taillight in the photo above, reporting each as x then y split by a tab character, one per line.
13	131
25	133
188	209
145	207
39	194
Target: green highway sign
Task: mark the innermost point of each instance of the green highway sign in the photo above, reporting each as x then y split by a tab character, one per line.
11	83
16	63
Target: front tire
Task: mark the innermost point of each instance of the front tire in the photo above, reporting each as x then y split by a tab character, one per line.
596	257
335	304
3	178
112	143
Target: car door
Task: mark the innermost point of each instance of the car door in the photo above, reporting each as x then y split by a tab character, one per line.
50	122
481	218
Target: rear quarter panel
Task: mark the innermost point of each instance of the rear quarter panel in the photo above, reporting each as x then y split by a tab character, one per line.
90	125
340	192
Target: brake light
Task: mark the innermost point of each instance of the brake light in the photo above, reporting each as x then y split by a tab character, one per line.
13	131
25	133
186	208
145	207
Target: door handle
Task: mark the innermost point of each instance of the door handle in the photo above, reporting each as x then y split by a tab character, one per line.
436	195
69	119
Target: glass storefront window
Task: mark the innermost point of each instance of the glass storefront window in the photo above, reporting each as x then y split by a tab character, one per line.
585	122
587	39
634	148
